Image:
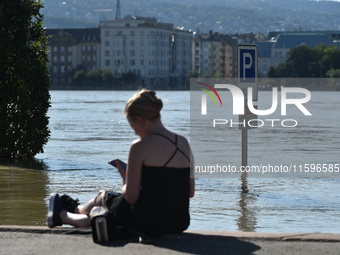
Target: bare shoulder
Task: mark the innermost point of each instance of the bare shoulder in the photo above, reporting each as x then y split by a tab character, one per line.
136	144
182	139
136	141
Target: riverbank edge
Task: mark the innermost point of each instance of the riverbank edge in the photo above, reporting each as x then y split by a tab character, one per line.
250	236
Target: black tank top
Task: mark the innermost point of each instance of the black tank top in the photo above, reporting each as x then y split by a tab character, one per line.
163	203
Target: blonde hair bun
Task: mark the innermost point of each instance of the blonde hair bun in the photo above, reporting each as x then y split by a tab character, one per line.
144	104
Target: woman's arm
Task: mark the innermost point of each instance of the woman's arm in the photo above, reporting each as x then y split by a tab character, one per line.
192	174
132	177
192	187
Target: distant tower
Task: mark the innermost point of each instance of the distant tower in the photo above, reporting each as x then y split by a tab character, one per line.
118	10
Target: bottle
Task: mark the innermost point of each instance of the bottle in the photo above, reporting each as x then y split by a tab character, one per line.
97	210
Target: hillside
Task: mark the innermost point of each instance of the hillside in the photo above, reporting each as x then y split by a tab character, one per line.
225	16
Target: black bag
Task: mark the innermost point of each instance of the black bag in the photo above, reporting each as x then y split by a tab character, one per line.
114	224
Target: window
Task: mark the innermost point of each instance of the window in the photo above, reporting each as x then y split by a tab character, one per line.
132	52
119	32
142	62
62	49
69	49
119	52
118	42
132	62
107	43
107	62
142	53
142	33
132	43
142	43
107	33
107	53
55	49
132	33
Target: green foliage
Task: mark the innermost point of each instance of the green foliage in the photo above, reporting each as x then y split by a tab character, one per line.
107	76
193	74
129	78
333	73
24	80
306	62
92	78
79	77
218	75
95	76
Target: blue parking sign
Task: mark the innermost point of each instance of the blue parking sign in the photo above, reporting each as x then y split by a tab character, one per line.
247	67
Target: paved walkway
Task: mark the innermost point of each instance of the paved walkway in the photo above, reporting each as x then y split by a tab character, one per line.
42	240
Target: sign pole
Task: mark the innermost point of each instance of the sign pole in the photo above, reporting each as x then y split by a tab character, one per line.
244	185
244	139
247	77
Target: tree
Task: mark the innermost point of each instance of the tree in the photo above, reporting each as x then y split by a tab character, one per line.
107	76
304	61
95	77
218	75
299	59
333	73
193	74
24	80
79	77
129	78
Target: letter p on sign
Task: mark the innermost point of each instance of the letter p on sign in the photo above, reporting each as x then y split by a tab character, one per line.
247	63
247	67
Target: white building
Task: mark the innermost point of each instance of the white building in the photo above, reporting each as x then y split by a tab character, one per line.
157	53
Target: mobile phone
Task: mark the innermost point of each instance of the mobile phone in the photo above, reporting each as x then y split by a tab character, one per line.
113	163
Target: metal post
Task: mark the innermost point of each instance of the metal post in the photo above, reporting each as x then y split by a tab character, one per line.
245	136
244	147
244	186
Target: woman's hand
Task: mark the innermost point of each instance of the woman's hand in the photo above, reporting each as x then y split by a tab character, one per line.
121	171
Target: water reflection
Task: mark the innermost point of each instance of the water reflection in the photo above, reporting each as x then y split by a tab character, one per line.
23	192
248	220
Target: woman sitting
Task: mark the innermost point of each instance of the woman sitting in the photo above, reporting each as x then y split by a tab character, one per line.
156	185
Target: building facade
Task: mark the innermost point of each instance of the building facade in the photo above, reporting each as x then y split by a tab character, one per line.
214	55
158	54
69	49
